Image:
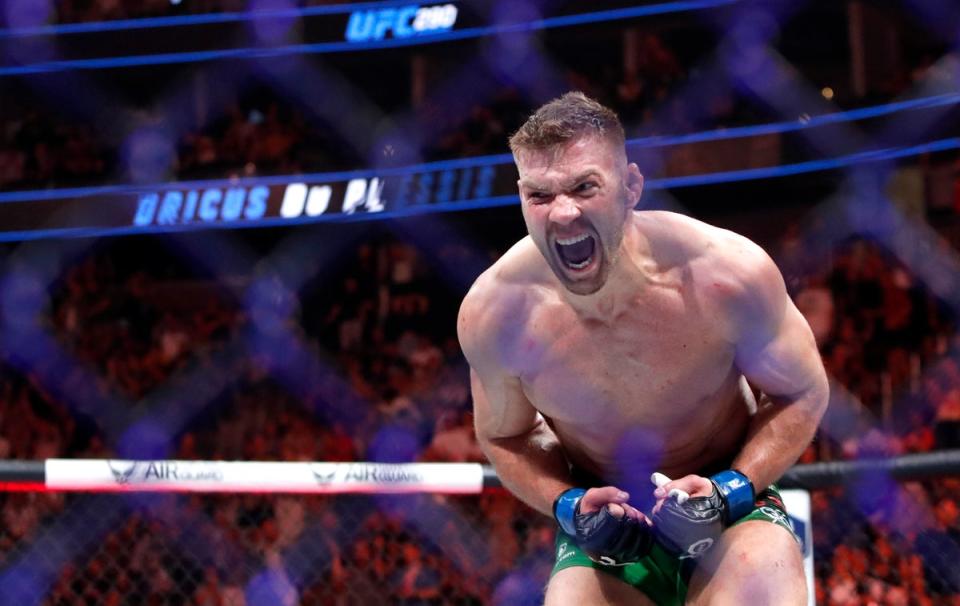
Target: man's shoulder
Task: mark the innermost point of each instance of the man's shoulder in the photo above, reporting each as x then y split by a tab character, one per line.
690	236
725	267
516	272
738	274
722	253
500	297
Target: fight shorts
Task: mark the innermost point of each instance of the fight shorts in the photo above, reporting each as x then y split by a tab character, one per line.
659	575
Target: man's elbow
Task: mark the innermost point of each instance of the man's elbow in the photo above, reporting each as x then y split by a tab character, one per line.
499	450
483	436
489	441
818	396
486	448
811	400
536	436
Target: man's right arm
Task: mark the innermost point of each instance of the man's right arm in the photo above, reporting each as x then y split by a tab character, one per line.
520	445
526	452
522	448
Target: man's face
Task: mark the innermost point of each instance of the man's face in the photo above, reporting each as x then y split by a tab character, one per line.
576	199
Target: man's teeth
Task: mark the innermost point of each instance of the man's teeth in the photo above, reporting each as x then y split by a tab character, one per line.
573	240
579	265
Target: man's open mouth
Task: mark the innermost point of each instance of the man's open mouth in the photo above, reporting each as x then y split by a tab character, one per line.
576	252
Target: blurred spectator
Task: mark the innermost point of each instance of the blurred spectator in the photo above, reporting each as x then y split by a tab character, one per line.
939	549
454	440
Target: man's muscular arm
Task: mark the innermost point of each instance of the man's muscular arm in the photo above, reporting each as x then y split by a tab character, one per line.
777	353
522	448
530	462
527	454
775	350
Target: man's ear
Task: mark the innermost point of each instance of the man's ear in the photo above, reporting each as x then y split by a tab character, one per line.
634	184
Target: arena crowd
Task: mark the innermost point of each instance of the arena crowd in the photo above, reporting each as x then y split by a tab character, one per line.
361	363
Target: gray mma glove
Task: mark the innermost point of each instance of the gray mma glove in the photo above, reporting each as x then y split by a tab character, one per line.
604	537
688	527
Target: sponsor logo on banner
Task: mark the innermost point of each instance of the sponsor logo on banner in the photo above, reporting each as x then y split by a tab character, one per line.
368	473
122	470
146	472
324	477
382	474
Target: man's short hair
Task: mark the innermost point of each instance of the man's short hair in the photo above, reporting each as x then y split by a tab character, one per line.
564	119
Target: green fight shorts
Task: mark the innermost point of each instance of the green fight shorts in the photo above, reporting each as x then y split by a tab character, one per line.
660	576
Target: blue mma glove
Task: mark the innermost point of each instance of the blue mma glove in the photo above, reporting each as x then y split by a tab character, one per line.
687	528
605	538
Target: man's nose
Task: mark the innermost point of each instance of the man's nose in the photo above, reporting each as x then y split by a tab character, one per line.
564	210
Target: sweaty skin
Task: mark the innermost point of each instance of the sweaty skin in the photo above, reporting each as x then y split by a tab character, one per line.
652	336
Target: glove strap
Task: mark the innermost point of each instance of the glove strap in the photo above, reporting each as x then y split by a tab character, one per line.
565	509
737	492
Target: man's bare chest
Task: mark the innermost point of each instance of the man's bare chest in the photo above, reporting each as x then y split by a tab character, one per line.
644	369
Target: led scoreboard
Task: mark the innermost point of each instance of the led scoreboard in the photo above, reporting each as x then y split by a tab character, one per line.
315	197
267	201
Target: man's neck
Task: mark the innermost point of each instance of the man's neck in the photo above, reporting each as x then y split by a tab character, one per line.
631	270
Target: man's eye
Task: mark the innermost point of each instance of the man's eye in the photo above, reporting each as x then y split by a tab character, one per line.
537	197
585	186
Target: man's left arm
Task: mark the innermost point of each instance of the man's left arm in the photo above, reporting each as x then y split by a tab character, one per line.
777	353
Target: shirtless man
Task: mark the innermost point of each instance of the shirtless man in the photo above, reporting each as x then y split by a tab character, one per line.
610	343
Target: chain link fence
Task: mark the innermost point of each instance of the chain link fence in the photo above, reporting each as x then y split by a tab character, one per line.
338	344
265	549
895	547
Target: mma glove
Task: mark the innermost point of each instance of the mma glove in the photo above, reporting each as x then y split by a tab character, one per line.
689	529
605	538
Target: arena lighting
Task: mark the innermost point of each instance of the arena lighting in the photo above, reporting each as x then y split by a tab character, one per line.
431	36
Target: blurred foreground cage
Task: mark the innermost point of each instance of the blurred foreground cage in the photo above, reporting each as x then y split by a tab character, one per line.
452	538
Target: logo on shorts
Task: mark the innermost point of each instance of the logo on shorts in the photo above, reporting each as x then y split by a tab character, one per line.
563	552
780	518
776	516
697	549
607	560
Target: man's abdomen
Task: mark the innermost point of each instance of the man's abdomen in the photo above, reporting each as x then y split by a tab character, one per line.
625	450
